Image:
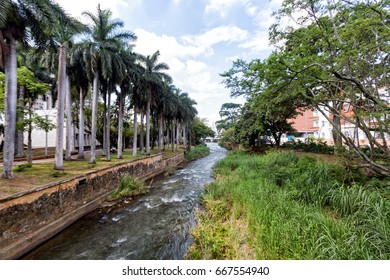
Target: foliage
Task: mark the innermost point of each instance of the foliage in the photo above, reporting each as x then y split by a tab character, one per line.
37	122
229	114
334	56
338	56
303	209
227	138
33	86
129	186
200	130
198	151
170	171
314	146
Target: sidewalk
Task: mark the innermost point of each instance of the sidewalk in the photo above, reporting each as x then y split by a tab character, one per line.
87	155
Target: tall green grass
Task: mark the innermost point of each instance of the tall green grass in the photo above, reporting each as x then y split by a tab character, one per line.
295	209
198	151
128	186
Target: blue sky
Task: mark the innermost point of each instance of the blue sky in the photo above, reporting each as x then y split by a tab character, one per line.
198	39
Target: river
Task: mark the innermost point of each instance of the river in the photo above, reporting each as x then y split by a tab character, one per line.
154	226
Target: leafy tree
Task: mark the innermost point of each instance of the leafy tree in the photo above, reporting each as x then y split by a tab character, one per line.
200	130
33	89
229	114
235	80
339	56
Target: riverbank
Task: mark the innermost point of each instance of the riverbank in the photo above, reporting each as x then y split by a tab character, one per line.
281	206
154	226
40	172
29	218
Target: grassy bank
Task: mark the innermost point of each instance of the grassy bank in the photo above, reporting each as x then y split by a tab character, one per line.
196	152
281	206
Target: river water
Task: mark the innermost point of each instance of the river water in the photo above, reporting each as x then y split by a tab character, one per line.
155	226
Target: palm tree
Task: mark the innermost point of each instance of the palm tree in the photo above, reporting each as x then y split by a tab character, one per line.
104	41
117	76
78	76
138	89
188	114
4	10
63	34
20	21
153	76
126	86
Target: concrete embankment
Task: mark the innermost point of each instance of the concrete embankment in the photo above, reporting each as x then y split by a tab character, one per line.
30	218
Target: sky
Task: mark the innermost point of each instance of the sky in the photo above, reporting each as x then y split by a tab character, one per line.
198	39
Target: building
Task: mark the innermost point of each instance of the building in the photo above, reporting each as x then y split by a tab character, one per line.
42	107
311	123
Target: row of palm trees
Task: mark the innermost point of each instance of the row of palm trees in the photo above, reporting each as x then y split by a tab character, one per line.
98	56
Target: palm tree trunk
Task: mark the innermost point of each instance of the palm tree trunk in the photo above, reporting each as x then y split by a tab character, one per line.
173	136
135	131
120	125
168	137
92	160
108	124
148	123
9	109
59	154
160	132
104	121
68	152
185	136
20	136
81	126
141	133
29	142
177	135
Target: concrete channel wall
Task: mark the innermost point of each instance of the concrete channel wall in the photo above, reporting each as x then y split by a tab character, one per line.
28	219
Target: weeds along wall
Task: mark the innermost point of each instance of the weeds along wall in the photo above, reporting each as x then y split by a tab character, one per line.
30	218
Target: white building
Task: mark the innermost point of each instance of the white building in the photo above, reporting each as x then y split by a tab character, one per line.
40	138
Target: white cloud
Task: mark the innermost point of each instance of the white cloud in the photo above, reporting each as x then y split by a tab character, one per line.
222	6
169	46
258	42
262	15
195	67
76	7
193	45
189	72
222	34
217	35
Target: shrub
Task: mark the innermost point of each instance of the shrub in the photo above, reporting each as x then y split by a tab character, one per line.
170	171
310	146
129	186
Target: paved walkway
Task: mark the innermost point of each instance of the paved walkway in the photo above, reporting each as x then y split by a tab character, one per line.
86	154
